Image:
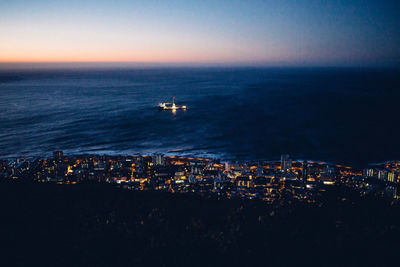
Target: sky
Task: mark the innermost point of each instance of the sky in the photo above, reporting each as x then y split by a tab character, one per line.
248	32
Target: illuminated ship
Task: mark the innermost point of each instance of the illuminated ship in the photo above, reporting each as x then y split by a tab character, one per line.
171	106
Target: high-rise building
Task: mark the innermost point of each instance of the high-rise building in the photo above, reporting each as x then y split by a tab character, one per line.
286	163
369	173
259	170
158	159
58	156
227	167
305	170
384	175
391	177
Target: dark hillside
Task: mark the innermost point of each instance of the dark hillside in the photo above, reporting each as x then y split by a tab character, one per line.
99	225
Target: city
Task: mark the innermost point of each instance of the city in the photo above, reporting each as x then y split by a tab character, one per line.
98	210
270	181
200	133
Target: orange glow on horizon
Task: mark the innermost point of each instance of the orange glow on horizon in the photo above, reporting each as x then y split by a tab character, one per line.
78	50
33	60
58	51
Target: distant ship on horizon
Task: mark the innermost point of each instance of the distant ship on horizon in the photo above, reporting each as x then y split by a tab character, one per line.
170	106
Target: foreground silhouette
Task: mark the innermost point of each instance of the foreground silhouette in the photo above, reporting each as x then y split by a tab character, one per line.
100	225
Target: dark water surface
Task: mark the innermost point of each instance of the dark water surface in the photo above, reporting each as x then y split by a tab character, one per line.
337	115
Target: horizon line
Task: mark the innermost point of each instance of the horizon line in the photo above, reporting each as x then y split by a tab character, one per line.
134	64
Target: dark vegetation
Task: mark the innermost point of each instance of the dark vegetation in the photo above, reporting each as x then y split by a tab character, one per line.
100	225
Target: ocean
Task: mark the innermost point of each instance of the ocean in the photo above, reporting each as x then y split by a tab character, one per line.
338	115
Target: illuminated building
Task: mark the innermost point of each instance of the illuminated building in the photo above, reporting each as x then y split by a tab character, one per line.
227	167
286	163
158	159
391	177
370	173
382	175
244	181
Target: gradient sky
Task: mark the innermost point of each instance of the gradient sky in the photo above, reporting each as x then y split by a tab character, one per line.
286	32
